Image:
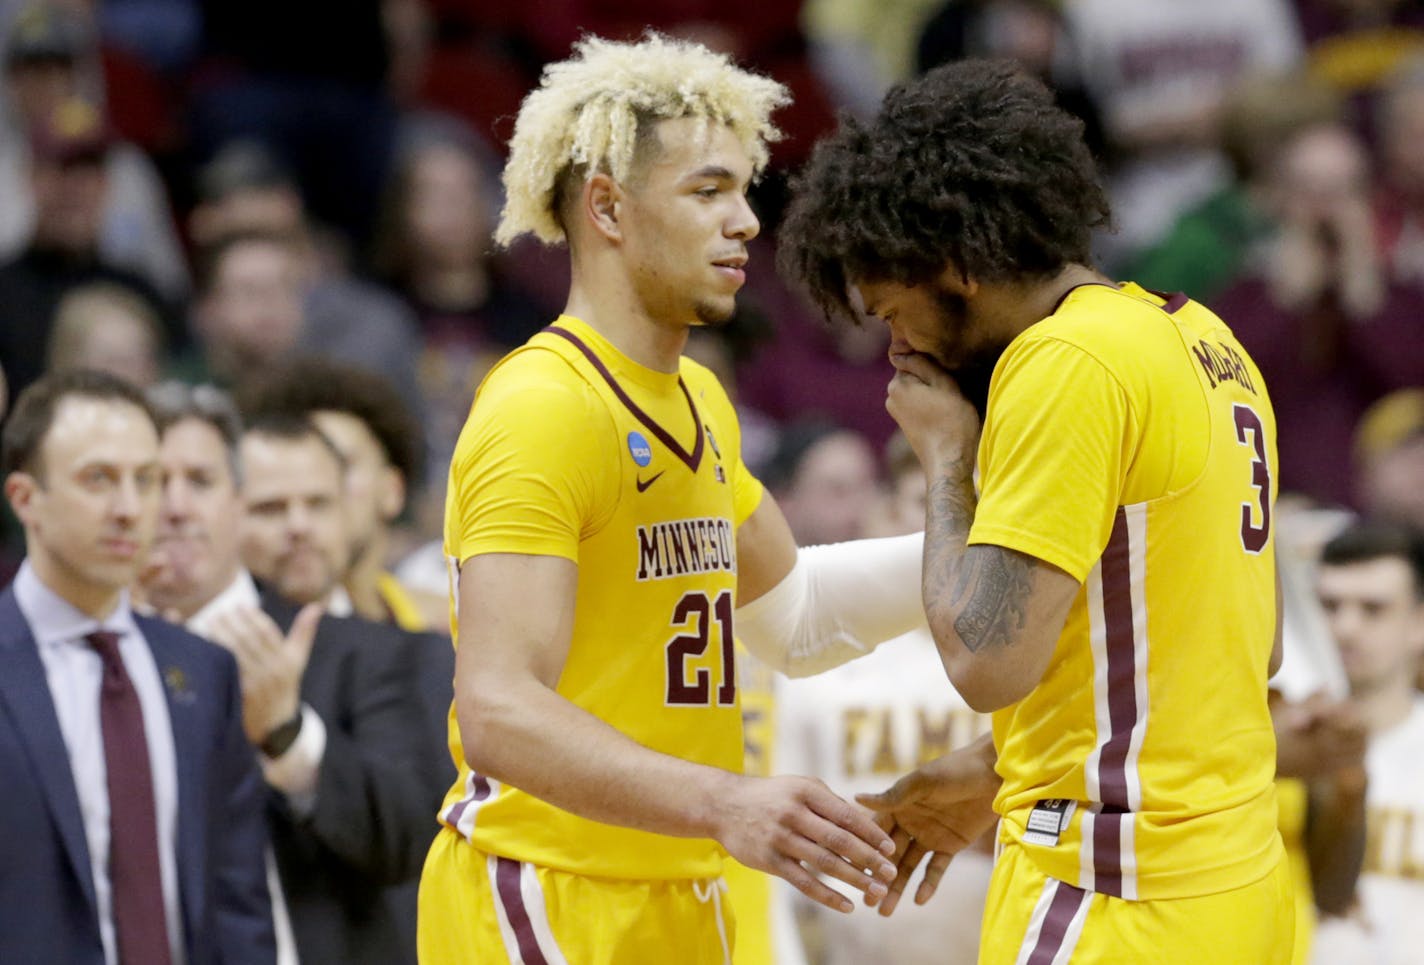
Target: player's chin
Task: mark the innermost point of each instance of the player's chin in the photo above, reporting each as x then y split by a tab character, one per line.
715	312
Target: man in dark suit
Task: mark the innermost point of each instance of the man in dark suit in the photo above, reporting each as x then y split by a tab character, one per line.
133	830
352	775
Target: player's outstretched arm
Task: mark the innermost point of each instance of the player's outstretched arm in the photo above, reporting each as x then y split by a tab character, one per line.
805	610
515	625
936	811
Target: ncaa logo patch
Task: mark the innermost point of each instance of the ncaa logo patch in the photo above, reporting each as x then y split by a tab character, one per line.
639	448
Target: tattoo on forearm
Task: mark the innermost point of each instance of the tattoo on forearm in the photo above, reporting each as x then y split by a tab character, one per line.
987	586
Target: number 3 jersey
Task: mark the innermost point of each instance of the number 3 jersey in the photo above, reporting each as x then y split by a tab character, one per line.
1130	442
571	449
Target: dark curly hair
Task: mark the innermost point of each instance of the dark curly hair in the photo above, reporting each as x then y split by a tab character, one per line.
971	164
303	385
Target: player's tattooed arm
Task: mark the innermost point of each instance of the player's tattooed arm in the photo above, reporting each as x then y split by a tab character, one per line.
992	595
995	613
982	590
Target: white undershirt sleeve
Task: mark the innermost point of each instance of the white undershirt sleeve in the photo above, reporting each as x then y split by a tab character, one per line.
838	602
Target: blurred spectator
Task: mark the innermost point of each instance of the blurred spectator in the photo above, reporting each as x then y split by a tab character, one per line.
69	184
1319	741
381	444
248	314
51	57
1399	206
860	727
353	770
194	557
1216	241
1157	70
1389	458
1318	314
276	72
1028	31
1371	583
826	481
294	531
812	367
1356	44
244	191
902	508
435	250
1320	791
107	327
133	819
859	49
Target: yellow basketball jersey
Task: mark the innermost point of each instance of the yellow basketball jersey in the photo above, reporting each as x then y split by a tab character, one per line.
1130	441
574	450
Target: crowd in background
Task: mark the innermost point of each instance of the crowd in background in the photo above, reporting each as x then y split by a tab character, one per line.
293	201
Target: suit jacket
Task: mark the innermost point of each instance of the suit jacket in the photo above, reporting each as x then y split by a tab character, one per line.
47	905
435	670
378	790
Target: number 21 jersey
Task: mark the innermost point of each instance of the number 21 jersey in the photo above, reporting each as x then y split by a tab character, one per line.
574	450
1130	442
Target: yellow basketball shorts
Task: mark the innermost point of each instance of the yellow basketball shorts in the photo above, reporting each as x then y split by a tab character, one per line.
1032	919
482	909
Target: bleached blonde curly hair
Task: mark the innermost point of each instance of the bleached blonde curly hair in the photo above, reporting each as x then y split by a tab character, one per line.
585	115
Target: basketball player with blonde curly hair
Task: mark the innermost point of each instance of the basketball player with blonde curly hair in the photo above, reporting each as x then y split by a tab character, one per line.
604	536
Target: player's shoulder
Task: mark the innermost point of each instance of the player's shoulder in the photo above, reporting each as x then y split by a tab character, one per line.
533	398
1120	326
534	378
534	363
1094	311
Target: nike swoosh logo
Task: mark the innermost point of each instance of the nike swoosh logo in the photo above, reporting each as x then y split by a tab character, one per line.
644	484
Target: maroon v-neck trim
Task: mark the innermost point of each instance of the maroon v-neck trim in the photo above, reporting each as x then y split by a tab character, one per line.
693	459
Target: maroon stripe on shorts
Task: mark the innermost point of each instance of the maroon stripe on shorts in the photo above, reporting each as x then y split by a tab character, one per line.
507	880
1065	904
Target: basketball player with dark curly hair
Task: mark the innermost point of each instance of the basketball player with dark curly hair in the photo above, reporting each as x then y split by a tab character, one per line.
1099	560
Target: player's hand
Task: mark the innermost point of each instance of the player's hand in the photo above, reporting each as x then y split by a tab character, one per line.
796	828
269	666
937	811
939	423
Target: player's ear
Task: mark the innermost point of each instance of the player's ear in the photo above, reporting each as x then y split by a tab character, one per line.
956	281
602	205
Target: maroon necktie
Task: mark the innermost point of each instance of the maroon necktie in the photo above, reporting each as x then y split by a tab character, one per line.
136	883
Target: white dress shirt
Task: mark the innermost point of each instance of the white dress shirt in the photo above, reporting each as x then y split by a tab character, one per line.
74	672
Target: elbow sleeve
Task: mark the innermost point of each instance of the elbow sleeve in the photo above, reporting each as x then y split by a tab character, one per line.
838	602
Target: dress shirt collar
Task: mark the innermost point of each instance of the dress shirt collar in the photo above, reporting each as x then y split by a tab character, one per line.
54	620
242	591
